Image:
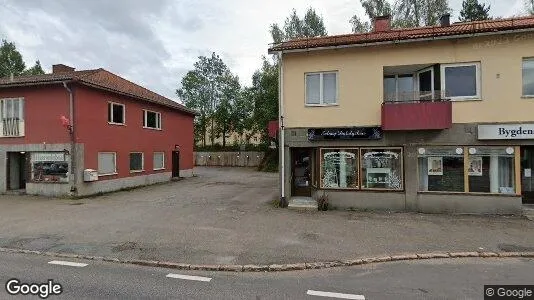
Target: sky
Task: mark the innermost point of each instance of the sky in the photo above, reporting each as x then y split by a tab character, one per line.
155	42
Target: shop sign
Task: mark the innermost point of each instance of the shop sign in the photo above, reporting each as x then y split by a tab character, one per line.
348	133
506	132
48	156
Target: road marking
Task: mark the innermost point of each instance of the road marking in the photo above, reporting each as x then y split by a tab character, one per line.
67	263
335	295
187	277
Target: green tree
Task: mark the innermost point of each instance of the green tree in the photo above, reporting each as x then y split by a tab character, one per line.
529	5
415	13
11	61
311	25
474	11
373	9
35	70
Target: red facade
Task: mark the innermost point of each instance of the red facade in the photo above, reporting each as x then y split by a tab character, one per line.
45	104
416	115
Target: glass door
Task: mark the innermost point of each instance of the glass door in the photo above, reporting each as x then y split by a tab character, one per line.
527	180
301	170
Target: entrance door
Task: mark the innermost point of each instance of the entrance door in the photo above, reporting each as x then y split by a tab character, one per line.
301	172
527	173
175	164
16	170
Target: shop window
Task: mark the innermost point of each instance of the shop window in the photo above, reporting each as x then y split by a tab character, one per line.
339	168
136	162
441	169
528	77
107	163
491	170
49	167
382	169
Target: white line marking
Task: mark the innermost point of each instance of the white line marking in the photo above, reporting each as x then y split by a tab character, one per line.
335	295
67	263
187	277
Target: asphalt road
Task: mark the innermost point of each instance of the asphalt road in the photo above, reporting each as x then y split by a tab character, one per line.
424	279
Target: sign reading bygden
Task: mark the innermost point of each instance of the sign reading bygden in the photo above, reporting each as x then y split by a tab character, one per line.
506	132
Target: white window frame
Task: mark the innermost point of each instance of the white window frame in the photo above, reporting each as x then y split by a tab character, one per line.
416	82
396	77
478	75
158	118
114	162
321	84
142	162
163	161
523	78
123	113
3	109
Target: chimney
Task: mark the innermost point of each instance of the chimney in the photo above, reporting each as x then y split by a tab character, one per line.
61	68
382	23
445	20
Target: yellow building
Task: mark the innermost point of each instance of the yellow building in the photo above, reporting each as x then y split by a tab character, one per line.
430	119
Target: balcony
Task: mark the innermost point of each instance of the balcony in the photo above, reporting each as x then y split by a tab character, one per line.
417	110
11	127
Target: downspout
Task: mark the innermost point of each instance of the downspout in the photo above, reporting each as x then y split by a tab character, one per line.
283	201
73	172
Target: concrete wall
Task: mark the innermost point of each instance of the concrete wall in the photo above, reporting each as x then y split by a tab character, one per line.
475	204
360	80
361	200
103	186
229	159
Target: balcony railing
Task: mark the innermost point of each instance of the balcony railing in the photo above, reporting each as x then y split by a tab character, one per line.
12	127
417	111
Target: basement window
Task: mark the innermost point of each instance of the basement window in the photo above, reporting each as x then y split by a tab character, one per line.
151	119
116	113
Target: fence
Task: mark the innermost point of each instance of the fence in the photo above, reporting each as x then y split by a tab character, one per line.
229	159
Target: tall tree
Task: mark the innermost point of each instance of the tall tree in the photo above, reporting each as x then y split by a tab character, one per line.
472	10
529	5
11	61
373	9
415	13
311	25
35	70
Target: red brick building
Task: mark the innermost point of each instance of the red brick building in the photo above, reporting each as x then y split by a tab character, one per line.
84	132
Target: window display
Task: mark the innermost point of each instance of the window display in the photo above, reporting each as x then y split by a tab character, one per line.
491	170
49	167
441	169
339	168
382	169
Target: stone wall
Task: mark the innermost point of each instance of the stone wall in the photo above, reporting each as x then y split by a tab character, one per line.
229	159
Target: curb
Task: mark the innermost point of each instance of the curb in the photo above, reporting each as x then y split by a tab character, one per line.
280	267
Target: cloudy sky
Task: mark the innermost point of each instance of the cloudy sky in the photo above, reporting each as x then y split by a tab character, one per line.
155	42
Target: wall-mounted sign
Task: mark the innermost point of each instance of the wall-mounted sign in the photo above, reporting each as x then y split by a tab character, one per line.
48	156
506	132
349	133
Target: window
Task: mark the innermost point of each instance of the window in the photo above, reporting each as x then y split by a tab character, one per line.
528	77
136	162
321	88
441	169
12	117
382	169
151	119
116	113
491	170
399	88
107	163
339	168
159	160
461	81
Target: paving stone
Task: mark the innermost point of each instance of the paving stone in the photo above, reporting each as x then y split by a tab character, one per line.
231	268
276	267
210	267
255	268
404	257
509	254
332	264
464	254
353	262
299	266
488	254
527	254
315	265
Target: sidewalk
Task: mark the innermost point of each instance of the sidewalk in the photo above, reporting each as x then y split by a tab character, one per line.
225	216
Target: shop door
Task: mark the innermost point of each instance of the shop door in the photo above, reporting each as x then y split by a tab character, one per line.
301	172
16	170
527	170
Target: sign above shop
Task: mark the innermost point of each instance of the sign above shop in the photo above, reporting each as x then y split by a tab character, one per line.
347	133
506	132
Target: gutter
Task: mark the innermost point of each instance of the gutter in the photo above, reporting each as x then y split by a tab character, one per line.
73	180
405	41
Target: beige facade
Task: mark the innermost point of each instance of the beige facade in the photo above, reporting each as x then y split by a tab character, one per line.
360	79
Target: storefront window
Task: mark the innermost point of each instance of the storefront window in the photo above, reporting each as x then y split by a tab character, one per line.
441	169
491	170
382	169
49	167
339	168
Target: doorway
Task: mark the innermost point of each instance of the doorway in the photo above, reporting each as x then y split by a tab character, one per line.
175	164
301	172
527	168
16	170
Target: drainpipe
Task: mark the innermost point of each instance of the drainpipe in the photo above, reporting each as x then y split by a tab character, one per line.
283	201
73	174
